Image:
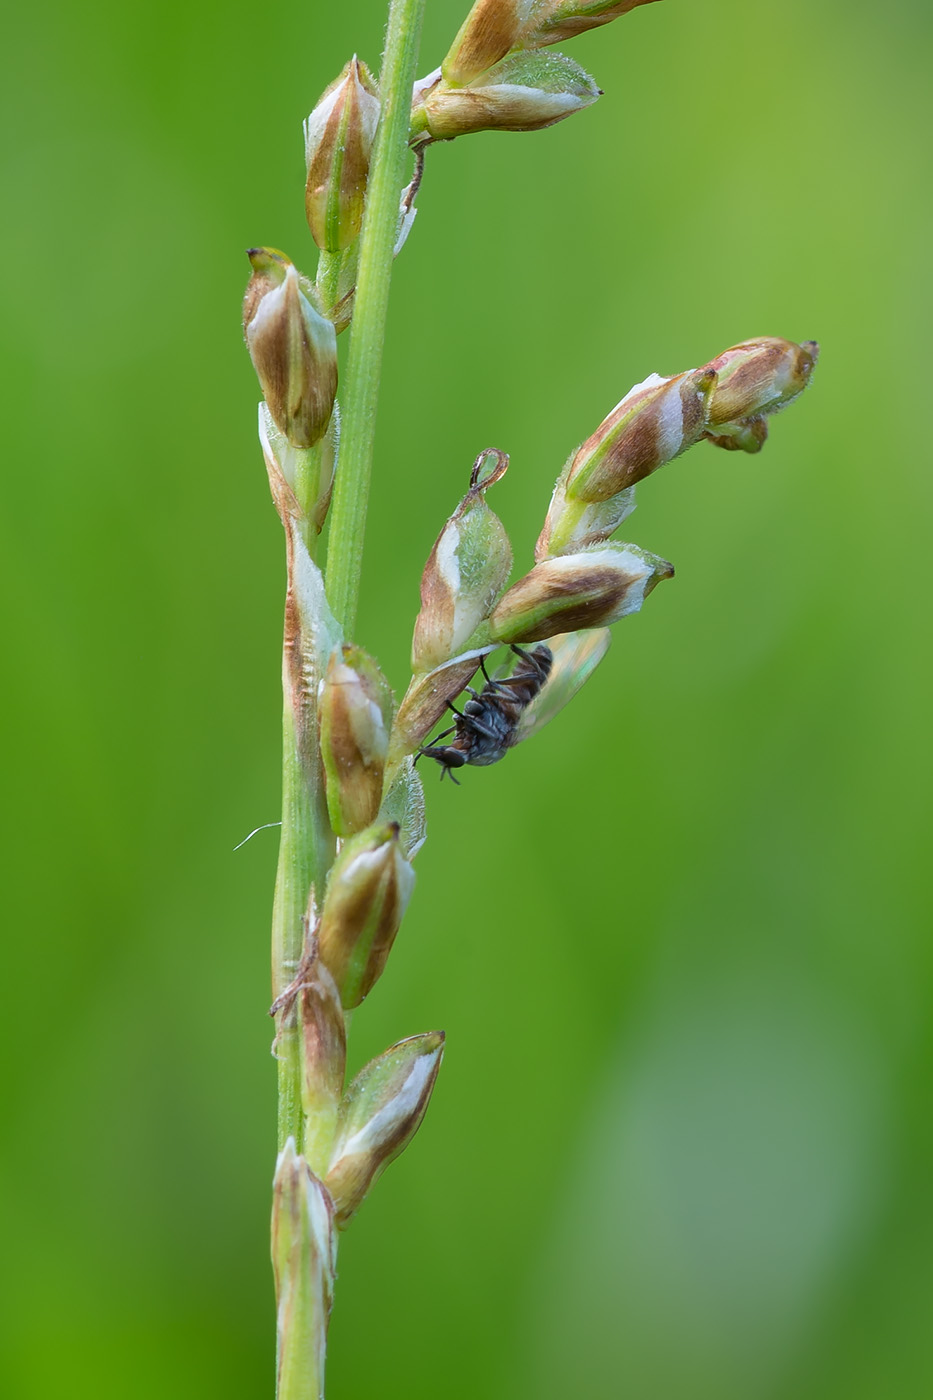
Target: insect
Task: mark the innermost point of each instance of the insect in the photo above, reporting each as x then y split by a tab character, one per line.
490	722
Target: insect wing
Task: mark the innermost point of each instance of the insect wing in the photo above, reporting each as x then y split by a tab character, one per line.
576	656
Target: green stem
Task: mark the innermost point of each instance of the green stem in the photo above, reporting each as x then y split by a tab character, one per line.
307	847
306	850
328	278
292	884
364	362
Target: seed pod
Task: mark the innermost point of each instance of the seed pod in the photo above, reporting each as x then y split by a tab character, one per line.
356	709
465	573
490	29
293	347
367	894
381	1113
758	376
339	137
589	589
552	21
525	92
304	1250
654	423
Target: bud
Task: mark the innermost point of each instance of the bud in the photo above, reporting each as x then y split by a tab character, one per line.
293	347
654	423
465	573
304	1258
490	29
356	709
745	435
758	376
590	589
338	143
382	1112
572	525
525	92
367	894
552	21
324	1059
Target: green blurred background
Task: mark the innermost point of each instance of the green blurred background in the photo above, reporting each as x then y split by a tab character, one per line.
682	1144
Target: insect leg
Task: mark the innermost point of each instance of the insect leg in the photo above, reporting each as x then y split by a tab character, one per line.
422	752
531	661
476	727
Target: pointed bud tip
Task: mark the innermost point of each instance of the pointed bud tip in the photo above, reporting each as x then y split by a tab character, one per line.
287	1158
480	481
759	376
339	135
382	1110
266	261
525	91
597	586
465	572
292	346
553	21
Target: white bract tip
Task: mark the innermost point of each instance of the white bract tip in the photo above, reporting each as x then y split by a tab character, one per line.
652	382
385	1123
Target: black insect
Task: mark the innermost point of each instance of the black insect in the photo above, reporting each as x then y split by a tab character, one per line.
490	723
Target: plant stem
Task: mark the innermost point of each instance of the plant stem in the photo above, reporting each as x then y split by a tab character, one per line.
306	849
292	886
327	279
367	334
